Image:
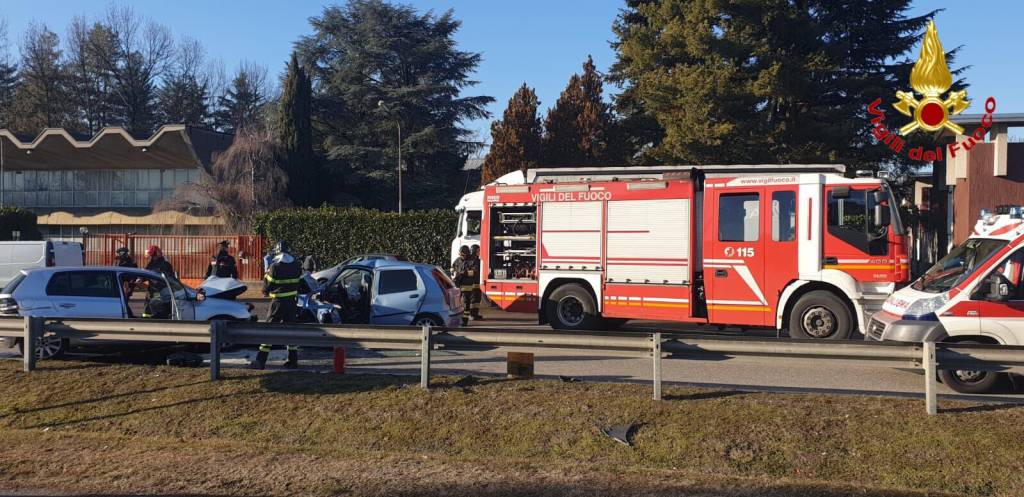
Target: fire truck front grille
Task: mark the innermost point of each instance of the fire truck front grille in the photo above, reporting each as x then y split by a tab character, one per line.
875	329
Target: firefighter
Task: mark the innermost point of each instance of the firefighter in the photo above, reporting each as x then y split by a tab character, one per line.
223	264
477	294
157	262
158	296
463	272
124	258
281	284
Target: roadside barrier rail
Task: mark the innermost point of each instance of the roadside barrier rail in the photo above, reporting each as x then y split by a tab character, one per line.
928	356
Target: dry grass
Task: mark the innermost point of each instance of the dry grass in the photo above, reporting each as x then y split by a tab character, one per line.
100	428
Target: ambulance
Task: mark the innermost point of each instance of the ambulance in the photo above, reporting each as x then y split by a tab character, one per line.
973	295
792	247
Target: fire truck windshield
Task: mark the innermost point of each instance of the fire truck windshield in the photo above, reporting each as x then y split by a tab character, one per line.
958	265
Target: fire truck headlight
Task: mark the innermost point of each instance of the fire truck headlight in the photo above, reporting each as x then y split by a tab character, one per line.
924	309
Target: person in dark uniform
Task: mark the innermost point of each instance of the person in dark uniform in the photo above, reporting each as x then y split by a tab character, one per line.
158	296
474	309
223	264
463	271
124	258
281	284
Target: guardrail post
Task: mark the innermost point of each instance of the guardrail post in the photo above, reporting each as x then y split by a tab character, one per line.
656	356
217	329
930	383
33	331
425	347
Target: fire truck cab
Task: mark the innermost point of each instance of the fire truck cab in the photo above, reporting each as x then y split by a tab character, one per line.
797	247
975	294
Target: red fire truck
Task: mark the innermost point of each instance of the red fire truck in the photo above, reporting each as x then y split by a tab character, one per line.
797	247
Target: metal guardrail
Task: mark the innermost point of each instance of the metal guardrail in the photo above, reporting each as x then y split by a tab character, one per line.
928	356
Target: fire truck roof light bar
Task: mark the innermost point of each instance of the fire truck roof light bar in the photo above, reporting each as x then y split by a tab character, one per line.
647	185
572	188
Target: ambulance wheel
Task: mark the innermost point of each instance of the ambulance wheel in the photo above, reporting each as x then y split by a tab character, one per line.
820	315
971	381
571	307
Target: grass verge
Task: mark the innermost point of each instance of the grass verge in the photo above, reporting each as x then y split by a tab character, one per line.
100	428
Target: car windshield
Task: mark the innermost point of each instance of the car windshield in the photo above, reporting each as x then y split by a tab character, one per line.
958	265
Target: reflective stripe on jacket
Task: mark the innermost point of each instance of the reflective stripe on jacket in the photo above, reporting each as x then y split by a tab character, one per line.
282	279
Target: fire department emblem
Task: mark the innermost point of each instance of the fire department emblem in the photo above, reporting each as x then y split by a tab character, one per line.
931	78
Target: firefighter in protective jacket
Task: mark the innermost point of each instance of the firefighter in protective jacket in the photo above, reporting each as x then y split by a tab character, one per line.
281	283
158	296
465	270
474	310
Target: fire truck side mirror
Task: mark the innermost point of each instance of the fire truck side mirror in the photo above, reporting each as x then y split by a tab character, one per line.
882	216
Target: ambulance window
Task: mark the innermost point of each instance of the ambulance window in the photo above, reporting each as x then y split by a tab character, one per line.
739	217
1012	268
783	216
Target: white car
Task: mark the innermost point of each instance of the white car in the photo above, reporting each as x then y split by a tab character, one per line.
106	292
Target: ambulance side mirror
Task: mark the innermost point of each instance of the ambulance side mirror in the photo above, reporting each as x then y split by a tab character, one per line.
999	288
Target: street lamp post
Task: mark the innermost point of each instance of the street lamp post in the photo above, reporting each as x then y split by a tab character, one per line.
398	123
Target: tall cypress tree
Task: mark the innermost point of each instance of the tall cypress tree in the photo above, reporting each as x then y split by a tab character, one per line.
735	81
579	127
296	131
515	139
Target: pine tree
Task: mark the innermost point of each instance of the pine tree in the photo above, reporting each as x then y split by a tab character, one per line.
737	81
378	66
241	106
41	100
578	129
515	139
296	132
8	77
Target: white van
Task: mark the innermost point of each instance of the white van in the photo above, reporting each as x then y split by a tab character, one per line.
15	256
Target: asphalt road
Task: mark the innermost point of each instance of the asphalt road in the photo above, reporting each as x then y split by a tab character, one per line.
741	373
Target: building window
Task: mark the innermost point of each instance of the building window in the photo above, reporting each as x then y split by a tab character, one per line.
101	188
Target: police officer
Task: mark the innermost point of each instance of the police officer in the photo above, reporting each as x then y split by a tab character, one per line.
463	272
281	283
158	296
477	294
223	264
124	258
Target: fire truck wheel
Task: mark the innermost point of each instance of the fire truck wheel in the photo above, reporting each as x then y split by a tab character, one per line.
571	307
614	323
971	381
820	315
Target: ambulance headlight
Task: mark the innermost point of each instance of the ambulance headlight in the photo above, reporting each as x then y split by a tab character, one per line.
924	309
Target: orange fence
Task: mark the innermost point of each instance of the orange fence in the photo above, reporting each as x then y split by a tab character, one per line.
190	255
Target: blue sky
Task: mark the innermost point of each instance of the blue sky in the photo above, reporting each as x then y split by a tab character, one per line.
538	42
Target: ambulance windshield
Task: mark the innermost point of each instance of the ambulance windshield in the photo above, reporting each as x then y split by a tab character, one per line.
958	265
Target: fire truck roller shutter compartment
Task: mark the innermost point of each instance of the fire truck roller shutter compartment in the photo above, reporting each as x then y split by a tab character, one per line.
649	241
571	236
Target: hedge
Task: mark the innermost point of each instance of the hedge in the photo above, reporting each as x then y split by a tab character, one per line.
333	234
17	219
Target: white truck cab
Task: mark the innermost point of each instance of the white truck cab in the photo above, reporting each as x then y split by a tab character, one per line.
973	295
